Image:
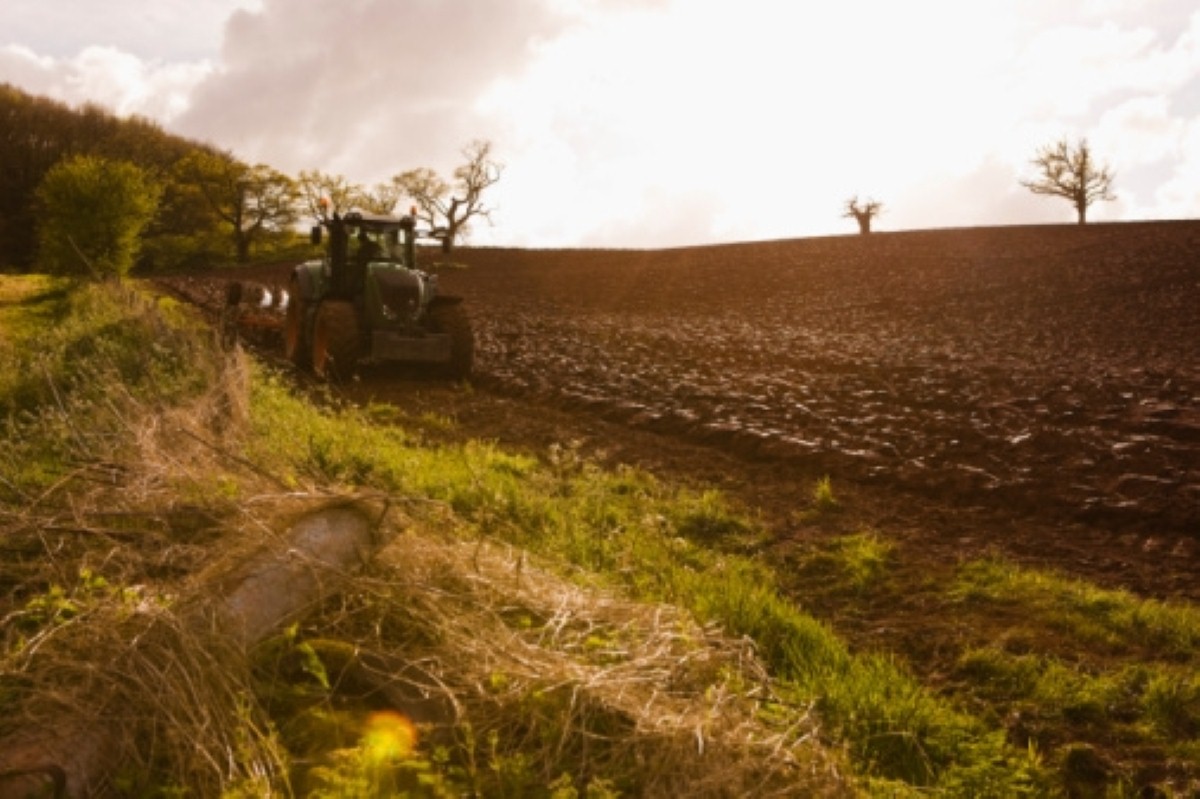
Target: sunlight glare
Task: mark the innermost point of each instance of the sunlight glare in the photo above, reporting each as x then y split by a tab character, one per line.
389	736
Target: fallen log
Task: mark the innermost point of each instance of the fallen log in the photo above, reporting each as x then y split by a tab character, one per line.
76	757
277	587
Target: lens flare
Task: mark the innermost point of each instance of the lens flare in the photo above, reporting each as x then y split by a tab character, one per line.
389	736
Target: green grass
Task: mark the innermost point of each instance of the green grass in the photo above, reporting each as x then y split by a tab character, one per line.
855	563
30	309
1113	619
1079	661
823	498
656	542
1157	702
73	358
28	305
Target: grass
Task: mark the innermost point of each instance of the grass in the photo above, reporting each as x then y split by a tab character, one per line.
823	499
73	359
853	563
27	305
626	530
1061	664
135	461
1085	662
593	631
1114	620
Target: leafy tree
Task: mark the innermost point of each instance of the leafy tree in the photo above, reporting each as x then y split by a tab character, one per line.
93	211
37	132
324	195
451	207
1070	172
188	231
269	203
253	201
381	198
862	213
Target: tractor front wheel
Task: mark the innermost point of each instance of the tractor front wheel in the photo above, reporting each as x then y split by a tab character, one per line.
335	344
453	320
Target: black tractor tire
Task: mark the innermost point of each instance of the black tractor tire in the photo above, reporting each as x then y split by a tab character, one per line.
453	320
335	344
296	346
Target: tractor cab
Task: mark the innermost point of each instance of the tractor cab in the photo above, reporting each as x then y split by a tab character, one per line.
356	240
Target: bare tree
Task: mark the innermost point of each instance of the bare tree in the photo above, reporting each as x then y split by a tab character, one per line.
864	213
452	207
1071	173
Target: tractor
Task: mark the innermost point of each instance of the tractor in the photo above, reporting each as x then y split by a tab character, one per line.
366	302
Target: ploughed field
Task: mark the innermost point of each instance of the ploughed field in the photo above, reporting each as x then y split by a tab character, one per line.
1050	373
1046	370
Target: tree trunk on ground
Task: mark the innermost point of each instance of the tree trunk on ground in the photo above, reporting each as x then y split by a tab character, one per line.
271	590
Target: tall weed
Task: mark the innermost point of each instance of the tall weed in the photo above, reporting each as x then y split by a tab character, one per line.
84	361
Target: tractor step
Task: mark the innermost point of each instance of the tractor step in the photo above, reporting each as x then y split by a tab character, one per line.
389	345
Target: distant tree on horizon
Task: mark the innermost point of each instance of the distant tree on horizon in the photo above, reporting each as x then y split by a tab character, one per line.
862	213
1070	172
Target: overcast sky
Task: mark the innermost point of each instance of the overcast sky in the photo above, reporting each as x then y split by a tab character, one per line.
656	123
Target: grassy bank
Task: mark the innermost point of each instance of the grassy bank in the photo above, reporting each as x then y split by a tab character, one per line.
549	627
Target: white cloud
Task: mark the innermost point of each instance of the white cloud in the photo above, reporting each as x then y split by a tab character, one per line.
362	87
775	113
1140	131
162	30
668	122
117	80
1179	195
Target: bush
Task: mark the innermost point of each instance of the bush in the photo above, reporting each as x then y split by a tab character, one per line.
93	212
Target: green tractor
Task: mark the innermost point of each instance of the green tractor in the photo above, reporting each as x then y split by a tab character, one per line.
366	302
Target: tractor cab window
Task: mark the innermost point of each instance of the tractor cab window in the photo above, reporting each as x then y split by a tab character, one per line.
369	248
392	245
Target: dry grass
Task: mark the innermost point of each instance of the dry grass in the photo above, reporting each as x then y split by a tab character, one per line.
577	679
520	674
100	660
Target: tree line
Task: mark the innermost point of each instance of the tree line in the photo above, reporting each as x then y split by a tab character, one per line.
200	205
79	184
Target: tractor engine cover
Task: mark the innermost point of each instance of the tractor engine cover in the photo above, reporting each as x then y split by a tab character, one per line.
402	294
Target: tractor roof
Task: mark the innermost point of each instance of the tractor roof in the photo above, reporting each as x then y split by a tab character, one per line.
378	222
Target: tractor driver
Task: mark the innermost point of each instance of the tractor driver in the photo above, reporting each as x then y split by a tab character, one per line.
368	248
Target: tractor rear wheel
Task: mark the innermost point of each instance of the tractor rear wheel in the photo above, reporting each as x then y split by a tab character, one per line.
335	344
295	338
453	320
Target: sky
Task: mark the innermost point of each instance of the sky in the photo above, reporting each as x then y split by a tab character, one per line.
659	123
